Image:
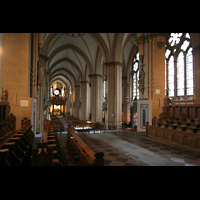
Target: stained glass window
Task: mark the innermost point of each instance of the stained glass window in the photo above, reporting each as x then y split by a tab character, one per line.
179	58
180	75
189	72
136	76
171	76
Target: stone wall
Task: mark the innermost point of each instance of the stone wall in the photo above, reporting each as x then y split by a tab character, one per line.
14	73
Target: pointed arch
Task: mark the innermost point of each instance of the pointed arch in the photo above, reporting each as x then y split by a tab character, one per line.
100	41
67	71
117	47
67	60
74	48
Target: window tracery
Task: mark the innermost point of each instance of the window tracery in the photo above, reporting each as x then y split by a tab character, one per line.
179	65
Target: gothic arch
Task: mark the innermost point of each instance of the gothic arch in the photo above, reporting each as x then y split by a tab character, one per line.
98	59
66	70
100	41
59	79
67	60
117	47
74	48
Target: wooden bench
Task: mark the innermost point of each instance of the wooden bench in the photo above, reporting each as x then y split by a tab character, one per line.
83	152
48	152
84	125
56	123
176	137
15	149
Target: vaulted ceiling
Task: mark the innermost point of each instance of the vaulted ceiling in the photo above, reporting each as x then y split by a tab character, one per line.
73	56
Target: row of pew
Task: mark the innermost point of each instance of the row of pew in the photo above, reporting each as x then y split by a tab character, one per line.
48	152
81	153
16	145
178	123
84	125
7	127
182	132
56	123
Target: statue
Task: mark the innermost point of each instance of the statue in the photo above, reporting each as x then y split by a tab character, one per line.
172	100
186	99
178	100
141	79
194	99
143	117
6	95
2	95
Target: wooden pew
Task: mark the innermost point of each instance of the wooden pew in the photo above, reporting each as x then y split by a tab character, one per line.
56	123
12	120
184	139
83	152
48	152
15	149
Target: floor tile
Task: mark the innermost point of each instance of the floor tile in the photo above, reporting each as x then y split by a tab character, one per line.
154	150
179	160
107	162
191	158
165	154
113	154
121	159
190	164
114	157
116	163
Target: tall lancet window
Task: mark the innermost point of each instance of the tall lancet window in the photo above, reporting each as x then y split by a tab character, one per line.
63	91
51	91
180	75
179	65
136	76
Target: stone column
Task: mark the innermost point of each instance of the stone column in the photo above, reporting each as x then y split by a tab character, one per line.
152	57
68	105
124	100
196	73
40	109
114	81
77	98
96	81
72	101
85	101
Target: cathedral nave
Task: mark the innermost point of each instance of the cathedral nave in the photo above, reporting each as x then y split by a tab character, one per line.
112	99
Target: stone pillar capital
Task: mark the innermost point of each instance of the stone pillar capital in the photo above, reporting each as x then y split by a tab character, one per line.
95	75
140	40
84	82
113	64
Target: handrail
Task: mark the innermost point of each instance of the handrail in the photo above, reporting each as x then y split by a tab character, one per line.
85	147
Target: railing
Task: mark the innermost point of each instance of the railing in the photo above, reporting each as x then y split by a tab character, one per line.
85	154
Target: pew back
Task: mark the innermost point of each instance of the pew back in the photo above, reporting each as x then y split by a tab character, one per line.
80	147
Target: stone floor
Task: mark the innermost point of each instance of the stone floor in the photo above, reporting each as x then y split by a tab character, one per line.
147	152
126	148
